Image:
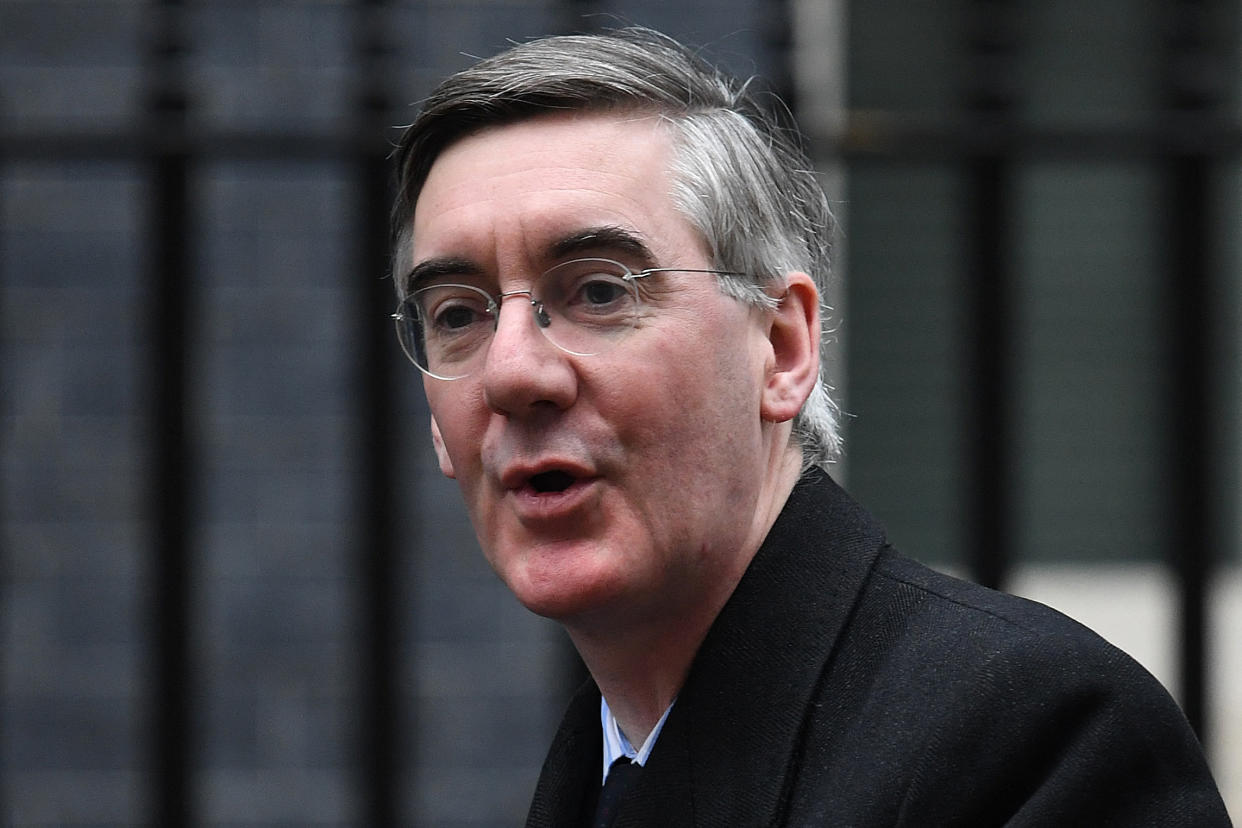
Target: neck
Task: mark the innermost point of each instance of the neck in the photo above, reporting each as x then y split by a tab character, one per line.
641	664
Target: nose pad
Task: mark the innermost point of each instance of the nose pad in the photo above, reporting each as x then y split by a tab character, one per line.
541	314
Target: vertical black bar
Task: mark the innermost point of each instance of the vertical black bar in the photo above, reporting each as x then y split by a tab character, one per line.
778	40
989	334
382	715
169	291
1190	427
3	453
990	371
1190	223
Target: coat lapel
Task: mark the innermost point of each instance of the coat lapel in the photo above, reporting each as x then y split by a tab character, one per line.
726	753
569	782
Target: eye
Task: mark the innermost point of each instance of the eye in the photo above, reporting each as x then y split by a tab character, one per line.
589	284
451	317
603	291
451	309
592	293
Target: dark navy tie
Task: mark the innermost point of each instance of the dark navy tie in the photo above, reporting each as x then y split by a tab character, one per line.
621	775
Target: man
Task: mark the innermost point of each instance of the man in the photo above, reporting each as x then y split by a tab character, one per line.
608	257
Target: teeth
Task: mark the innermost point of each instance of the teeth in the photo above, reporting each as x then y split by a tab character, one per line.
551	481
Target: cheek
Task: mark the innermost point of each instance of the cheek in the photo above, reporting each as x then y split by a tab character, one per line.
696	412
460	428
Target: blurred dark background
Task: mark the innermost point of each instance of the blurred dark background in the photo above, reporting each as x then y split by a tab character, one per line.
235	590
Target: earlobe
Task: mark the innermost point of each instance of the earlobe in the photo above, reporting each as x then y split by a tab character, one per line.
793	335
446	465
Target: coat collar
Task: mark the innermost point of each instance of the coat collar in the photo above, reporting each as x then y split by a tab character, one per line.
727	751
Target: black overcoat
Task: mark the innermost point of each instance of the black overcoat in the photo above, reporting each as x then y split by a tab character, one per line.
844	685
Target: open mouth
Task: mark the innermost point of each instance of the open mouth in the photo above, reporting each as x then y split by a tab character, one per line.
551	481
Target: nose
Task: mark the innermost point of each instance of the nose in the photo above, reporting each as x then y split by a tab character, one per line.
523	372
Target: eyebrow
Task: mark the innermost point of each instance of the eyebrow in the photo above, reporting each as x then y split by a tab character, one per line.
607	239
438	268
604	239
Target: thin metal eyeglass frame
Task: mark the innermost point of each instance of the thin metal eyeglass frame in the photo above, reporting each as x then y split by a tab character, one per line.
495	300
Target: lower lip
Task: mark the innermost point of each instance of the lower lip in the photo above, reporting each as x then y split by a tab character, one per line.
535	506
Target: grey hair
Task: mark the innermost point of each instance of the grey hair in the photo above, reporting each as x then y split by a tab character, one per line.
740	175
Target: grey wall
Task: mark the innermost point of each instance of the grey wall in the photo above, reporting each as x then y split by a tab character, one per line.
278	592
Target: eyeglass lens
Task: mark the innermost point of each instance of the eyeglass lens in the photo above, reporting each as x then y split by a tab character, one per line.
582	306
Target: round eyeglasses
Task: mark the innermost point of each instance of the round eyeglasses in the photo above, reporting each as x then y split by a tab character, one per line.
582	306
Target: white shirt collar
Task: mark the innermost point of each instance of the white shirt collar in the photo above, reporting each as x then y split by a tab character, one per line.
615	743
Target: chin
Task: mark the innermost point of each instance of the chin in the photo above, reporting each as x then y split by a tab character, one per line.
562	592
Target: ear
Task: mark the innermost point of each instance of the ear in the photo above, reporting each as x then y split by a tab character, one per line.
793	335
446	465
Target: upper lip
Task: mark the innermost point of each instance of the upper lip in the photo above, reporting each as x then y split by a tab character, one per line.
518	475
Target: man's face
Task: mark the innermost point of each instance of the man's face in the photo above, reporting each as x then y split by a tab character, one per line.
660	440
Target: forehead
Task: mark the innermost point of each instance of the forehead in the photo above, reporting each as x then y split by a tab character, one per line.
514	191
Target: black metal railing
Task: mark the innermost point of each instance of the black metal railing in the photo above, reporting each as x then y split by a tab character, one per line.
171	288
377	600
1190	140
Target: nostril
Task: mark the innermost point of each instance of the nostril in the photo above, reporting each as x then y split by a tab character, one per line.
552	481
